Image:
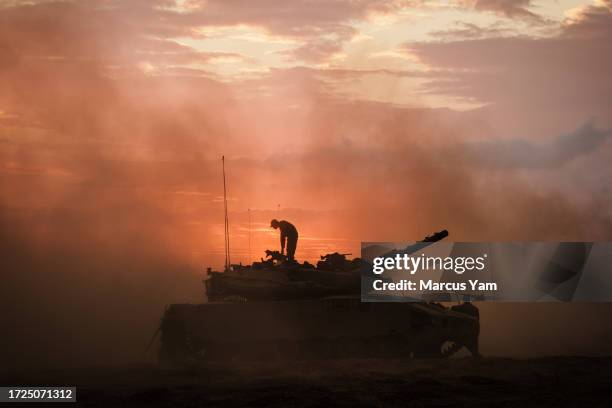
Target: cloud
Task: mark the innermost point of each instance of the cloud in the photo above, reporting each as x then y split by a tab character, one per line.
315	51
518	9
78	32
464	30
551	83
524	153
592	21
319	29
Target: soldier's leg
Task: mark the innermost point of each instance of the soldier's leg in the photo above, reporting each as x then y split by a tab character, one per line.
291	246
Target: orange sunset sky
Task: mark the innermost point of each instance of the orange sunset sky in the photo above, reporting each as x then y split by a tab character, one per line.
356	120
362	120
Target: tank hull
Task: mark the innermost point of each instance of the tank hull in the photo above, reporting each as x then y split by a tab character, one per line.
280	283
311	328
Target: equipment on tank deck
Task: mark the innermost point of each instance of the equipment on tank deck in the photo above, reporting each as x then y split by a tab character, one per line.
335	261
285	280
275	256
283	309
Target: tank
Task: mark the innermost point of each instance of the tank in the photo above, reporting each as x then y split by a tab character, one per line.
276	309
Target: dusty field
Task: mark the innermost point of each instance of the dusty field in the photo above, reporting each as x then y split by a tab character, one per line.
551	382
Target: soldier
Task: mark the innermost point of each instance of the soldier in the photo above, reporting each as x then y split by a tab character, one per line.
289	234
471	337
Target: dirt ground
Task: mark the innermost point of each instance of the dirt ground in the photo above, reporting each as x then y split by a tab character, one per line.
486	382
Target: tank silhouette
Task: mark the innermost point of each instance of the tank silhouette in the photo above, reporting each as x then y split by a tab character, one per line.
279	309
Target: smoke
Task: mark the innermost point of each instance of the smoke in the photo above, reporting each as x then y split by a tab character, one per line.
110	182
522	153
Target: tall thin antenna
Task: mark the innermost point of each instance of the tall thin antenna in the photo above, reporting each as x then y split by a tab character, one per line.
226	232
249	235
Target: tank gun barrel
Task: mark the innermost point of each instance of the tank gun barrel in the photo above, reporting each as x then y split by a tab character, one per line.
436	236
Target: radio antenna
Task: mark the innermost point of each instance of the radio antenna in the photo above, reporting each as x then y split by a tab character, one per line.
226	232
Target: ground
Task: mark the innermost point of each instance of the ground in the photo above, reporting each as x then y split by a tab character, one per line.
548	382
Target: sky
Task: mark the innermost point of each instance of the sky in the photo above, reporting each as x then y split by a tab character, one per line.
364	120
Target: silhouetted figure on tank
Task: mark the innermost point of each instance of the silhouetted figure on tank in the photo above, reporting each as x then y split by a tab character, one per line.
288	236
